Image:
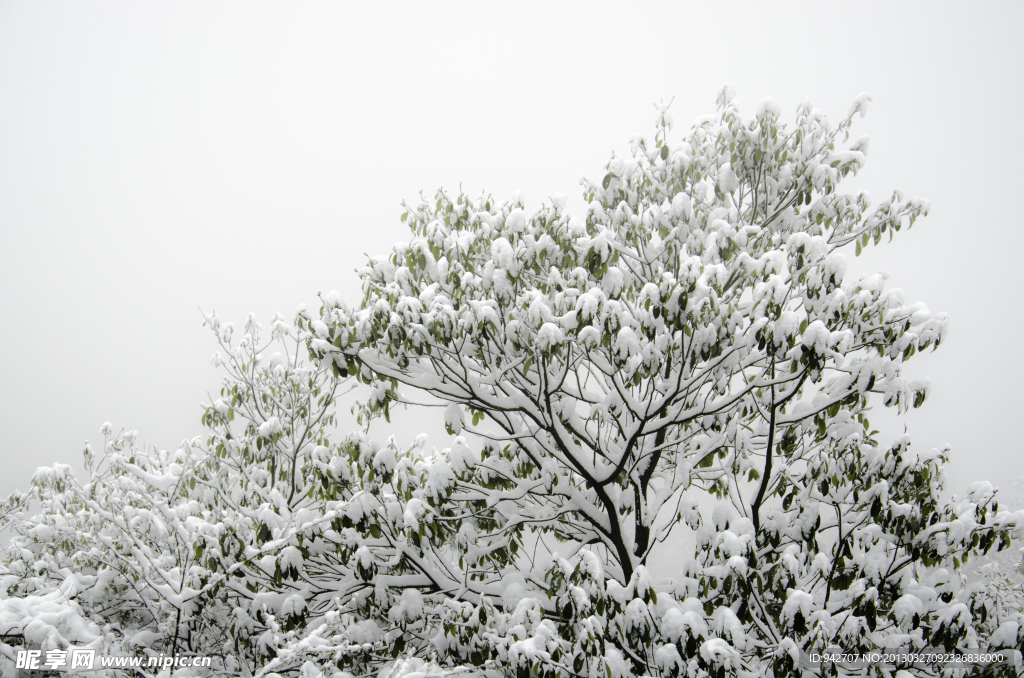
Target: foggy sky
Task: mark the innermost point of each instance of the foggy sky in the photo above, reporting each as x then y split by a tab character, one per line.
159	158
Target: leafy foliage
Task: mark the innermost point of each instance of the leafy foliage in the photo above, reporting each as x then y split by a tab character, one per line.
688	351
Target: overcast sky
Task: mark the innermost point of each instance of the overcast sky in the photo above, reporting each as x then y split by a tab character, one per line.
160	157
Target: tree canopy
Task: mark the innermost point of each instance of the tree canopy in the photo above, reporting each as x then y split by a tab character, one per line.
686	355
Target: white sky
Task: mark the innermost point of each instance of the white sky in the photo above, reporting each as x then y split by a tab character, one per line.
155	158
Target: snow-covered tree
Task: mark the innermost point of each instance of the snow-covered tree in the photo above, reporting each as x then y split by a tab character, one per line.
688	351
196	551
691	334
1002	572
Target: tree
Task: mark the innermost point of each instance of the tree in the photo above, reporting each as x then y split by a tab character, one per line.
692	333
162	553
691	336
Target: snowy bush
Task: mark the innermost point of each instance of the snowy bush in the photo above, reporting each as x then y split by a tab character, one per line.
691	341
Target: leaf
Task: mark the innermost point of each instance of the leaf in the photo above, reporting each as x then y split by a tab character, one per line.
576	434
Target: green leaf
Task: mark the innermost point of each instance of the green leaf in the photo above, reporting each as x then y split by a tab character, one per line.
607	180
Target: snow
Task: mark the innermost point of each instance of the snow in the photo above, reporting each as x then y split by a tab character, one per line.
797	601
722	514
514	590
632	363
727	179
860	105
290	557
409	608
413	667
817	337
549	336
904	609
516	220
415	510
719	653
769	108
52	620
678	624
294	604
616	664
454	418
